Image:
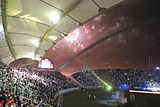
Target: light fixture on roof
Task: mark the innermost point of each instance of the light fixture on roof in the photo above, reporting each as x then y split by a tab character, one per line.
1	28
3	36
158	68
55	17
35	43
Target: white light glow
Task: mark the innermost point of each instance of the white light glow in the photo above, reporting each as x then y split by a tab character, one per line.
55	17
35	43
1	29
38	58
148	92
46	63
158	68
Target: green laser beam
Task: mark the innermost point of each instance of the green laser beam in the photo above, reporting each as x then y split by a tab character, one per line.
105	84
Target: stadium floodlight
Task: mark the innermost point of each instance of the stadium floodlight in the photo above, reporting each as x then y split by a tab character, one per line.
1	28
158	68
55	17
35	42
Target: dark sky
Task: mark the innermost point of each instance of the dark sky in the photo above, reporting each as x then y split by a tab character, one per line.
132	48
128	49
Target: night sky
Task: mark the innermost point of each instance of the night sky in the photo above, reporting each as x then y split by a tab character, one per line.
128	49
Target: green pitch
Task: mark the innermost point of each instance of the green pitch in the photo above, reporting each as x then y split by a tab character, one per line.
91	99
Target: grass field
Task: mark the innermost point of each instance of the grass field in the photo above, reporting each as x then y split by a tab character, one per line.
81	99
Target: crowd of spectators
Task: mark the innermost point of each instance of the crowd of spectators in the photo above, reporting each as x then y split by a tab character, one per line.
86	79
132	77
30	88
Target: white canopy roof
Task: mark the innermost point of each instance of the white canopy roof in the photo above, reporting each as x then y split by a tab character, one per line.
28	28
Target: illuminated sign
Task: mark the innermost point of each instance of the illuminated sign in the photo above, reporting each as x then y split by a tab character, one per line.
45	63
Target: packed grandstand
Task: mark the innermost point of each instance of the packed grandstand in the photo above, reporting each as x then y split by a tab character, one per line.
30	87
79	53
22	87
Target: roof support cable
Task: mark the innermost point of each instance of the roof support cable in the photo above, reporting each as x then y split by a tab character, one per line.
59	10
100	9
64	13
4	23
96	4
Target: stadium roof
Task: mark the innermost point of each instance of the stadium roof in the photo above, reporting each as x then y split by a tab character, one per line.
28	28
